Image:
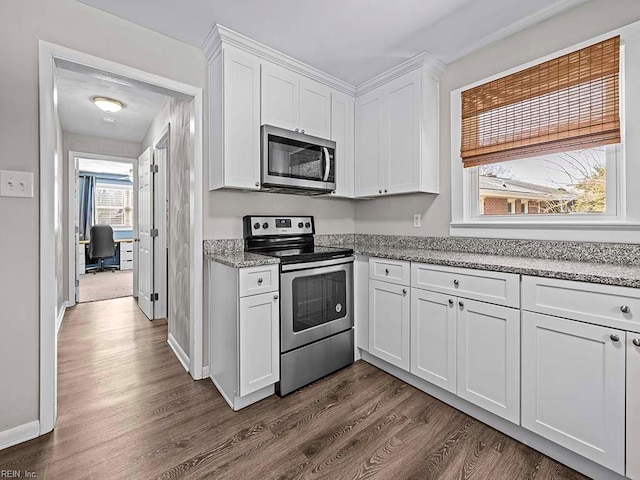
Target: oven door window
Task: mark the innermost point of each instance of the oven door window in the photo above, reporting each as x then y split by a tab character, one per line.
294	159
319	299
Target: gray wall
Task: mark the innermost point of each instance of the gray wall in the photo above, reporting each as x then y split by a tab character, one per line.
83	28
395	215
75	142
177	114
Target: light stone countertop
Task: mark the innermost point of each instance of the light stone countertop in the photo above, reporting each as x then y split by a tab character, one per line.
241	259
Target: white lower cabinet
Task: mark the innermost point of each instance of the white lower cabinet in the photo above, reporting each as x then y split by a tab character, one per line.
389	322
433	338
573	386
489	357
633	406
259	333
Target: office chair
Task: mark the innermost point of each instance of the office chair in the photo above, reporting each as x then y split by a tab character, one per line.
102	246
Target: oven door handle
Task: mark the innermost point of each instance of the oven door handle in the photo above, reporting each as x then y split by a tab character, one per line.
309	265
327	164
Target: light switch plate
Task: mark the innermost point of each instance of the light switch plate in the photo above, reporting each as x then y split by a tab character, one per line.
16	184
416	220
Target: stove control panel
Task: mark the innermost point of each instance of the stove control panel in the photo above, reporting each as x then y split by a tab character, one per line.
262	226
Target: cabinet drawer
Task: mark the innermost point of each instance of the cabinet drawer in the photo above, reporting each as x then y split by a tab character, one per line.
606	305
392	271
126	264
491	287
126	255
126	247
257	280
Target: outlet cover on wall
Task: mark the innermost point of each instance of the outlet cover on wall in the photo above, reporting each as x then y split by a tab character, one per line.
16	184
416	220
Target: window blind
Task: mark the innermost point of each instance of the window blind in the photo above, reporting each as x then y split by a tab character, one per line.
568	103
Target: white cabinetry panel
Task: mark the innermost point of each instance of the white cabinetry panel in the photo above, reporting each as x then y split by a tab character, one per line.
280	97
433	338
573	386
633	406
369	143
342	132
489	357
389	322
315	108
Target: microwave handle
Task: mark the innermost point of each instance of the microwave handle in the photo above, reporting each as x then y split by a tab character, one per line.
327	164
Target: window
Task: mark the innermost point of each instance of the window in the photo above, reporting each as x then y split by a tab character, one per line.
114	205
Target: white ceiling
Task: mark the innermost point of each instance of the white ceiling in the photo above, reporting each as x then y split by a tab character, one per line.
352	39
78	113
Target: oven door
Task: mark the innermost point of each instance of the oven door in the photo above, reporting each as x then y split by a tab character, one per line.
291	159
316	301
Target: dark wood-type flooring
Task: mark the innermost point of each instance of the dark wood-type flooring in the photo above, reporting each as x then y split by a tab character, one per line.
128	410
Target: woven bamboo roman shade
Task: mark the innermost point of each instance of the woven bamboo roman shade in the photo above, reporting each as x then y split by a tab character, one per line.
568	103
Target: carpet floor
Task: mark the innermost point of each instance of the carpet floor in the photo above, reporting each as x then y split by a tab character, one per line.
106	285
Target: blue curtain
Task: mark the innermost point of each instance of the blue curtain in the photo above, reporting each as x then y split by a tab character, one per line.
86	187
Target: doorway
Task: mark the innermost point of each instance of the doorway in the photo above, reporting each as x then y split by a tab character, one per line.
184	110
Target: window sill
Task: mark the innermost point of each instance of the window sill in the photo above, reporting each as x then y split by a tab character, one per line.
604	231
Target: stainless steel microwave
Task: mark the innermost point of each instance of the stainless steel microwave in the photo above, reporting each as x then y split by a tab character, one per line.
294	162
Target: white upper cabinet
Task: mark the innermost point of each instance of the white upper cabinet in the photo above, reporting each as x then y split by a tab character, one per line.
235	120
573	386
342	132
369	141
294	102
397	136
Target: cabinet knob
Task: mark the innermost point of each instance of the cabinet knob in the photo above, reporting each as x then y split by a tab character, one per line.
614	337
333	192
636	342
461	304
275	297
450	303
386	271
385	190
379	191
404	291
625	309
456	283
302	131
257	184
297	130
260	280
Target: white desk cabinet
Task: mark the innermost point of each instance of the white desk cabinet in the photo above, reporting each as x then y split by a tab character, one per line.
489	357
389	322
126	255
244	331
234	79
573	386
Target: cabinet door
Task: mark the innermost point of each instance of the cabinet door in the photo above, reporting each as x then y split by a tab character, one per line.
389	322
573	386
400	163
280	97
433	338
489	357
369	142
259	347
633	406
342	125
315	108
241	120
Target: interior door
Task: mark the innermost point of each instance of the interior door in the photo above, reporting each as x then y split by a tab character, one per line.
78	250
145	226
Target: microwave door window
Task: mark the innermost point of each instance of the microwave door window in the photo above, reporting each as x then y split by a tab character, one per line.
293	159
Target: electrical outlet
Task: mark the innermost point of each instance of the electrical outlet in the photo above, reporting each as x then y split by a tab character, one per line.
416	220
16	184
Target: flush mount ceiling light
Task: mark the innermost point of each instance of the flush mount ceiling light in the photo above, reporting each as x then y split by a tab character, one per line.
108	105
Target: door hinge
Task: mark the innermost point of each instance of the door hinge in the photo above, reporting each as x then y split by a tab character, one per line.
154	232
153	168
154	297
77	283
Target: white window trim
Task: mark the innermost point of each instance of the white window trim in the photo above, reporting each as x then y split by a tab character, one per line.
623	225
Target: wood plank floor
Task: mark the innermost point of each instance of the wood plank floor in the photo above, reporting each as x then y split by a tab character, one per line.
128	410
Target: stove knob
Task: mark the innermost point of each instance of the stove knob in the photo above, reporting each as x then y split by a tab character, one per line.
256	226
300	225
265	225
308	225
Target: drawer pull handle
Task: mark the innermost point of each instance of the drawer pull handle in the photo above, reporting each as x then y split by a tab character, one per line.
404	291
450	303
625	309
456	283
260	281
614	337
461	304
636	342
275	297
386	271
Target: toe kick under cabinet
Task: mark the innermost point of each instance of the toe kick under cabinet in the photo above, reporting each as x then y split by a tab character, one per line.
243	309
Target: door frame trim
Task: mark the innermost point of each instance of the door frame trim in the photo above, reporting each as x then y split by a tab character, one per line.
72	207
48	55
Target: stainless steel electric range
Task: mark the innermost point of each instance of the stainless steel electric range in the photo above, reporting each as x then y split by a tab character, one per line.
316	291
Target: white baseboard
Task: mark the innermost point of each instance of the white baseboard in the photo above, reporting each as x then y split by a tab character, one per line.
19	434
60	316
206	372
178	352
